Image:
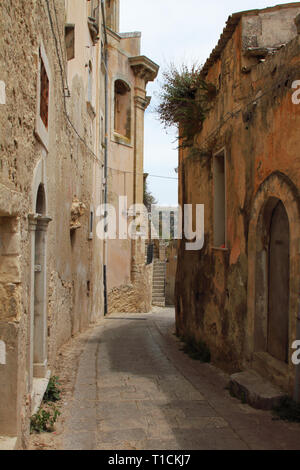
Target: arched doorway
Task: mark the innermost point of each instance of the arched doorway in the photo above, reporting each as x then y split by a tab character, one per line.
38	226
278	284
273	280
39	326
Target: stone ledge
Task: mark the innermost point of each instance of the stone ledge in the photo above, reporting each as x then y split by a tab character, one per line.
39	388
255	390
8	443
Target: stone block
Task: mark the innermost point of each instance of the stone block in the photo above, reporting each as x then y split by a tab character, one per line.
254	390
9	243
10	269
10	307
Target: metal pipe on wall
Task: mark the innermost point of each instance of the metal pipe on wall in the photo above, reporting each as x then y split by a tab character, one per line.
105	152
297	374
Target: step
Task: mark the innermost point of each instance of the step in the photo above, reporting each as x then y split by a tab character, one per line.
271	368
8	443
255	390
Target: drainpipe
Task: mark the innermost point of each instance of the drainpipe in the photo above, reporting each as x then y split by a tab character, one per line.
297	374
105	154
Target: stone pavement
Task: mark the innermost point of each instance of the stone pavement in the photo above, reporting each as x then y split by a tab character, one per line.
135	389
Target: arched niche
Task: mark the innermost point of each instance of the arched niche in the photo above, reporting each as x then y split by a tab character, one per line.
273	258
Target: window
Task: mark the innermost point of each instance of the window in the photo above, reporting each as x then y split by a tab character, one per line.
91	224
219	200
112	15
44	95
93	18
90	83
43	98
122	109
93	6
70	41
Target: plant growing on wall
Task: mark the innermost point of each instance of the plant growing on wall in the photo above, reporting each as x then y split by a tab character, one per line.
185	100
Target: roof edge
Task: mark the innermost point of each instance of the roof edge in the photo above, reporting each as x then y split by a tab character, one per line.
230	27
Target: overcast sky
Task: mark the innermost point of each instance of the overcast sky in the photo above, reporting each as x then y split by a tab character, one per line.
175	31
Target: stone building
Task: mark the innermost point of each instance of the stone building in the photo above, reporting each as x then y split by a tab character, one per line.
240	293
129	280
54	112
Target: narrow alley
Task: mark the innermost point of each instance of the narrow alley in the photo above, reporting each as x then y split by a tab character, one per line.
136	390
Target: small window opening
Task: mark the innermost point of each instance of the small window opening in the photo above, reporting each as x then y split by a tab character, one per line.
44	98
90	83
91	224
70	41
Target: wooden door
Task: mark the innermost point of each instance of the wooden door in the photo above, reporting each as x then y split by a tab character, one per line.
279	267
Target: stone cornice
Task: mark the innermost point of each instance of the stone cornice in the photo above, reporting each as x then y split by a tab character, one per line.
142	103
144	68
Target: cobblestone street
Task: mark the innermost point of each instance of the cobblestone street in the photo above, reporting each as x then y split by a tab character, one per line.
135	389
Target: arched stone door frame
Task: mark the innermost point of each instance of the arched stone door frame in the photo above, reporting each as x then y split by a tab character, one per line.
277	187
38	225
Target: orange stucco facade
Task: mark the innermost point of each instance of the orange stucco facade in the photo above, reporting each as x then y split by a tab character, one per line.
224	292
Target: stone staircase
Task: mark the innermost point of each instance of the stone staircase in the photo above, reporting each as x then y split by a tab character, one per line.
159	279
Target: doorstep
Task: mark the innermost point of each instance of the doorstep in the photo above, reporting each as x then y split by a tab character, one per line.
8	443
39	387
253	389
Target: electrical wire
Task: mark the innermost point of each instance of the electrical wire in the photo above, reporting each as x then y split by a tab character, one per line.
237	110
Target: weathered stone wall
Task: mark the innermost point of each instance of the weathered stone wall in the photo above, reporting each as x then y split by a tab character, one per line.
254	119
67	170
135	297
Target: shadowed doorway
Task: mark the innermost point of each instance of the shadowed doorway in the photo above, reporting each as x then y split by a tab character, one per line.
279	268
